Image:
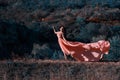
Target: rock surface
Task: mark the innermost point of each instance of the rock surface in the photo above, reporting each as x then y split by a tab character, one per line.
59	70
27	22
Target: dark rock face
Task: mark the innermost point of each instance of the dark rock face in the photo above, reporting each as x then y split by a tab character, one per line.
83	20
15	39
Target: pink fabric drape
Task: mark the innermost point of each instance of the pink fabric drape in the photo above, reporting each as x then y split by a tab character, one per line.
81	51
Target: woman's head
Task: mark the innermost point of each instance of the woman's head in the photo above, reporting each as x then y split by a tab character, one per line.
61	29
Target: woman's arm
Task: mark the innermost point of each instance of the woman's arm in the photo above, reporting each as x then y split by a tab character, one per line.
60	33
54	29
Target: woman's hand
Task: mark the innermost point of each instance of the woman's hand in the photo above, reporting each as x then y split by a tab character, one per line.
54	29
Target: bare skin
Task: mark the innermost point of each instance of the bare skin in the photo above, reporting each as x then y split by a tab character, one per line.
60	34
82	51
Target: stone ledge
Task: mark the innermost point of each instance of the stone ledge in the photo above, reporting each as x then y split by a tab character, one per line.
59	70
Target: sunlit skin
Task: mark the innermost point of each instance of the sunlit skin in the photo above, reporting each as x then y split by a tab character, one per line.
82	51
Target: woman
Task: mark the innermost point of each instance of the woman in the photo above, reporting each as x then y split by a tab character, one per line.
81	51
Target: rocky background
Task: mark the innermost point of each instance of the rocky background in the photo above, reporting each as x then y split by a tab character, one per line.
26	26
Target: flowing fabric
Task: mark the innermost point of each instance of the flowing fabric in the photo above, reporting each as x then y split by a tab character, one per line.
82	51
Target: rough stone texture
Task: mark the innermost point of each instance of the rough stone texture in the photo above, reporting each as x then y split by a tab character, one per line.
24	23
59	70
